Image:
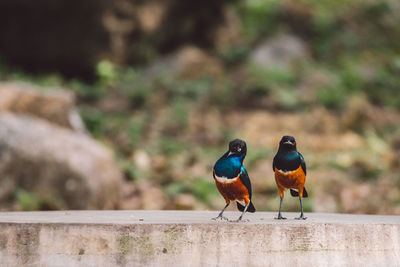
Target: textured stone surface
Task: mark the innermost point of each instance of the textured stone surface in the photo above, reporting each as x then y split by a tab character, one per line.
190	238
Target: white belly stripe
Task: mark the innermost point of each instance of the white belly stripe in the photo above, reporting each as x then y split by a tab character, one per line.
287	172
225	180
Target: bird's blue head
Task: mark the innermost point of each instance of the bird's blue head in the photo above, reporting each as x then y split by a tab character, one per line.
229	165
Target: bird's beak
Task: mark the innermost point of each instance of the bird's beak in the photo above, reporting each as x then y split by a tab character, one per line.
288	142
230	153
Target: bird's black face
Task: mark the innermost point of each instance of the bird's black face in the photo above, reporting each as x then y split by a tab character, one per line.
237	147
287	143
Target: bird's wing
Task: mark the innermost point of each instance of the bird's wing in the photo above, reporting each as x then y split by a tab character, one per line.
303	163
244	177
273	164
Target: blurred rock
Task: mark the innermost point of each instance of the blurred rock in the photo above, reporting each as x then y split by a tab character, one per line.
56	106
187	62
279	51
43	158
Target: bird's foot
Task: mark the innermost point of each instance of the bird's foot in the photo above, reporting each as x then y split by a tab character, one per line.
280	217
301	217
220	217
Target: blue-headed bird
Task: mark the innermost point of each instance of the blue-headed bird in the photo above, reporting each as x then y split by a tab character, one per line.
290	172
232	179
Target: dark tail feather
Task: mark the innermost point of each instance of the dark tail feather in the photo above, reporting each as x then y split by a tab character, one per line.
294	193
251	207
305	194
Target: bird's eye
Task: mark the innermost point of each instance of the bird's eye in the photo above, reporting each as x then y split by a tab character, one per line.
239	149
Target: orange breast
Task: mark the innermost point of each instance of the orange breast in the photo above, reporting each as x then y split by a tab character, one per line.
292	179
235	190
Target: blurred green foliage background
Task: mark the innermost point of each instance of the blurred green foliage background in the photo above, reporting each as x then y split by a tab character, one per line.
168	93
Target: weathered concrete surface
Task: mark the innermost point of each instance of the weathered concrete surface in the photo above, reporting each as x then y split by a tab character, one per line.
190	238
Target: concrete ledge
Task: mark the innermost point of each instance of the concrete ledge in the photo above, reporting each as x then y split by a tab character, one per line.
190	238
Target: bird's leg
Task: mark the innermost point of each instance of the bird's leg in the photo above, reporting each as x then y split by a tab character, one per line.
220	214
244	211
301	214
280	217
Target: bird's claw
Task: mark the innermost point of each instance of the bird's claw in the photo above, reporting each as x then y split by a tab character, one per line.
220	217
300	218
280	218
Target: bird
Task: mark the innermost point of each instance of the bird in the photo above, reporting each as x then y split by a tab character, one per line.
290	171
232	179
